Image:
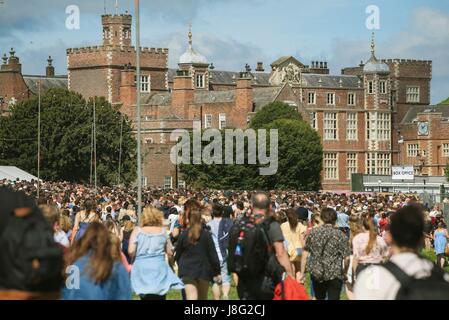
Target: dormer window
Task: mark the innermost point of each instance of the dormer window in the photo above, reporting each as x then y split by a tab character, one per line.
199	81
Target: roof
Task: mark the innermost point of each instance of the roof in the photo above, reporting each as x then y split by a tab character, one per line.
413	111
228	77
283	59
330	81
264	96
214	96
32	82
375	66
14	173
157	99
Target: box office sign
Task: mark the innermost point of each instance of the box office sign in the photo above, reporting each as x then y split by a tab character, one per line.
402	173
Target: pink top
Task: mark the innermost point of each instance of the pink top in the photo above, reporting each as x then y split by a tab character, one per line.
378	253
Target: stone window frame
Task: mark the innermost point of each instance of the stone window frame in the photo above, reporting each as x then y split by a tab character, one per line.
351	164
313	94
330	165
221	119
409	95
330	94
208	121
354	99
351	126
330	128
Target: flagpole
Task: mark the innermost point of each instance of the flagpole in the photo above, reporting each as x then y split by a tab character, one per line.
139	156
39	141
95	149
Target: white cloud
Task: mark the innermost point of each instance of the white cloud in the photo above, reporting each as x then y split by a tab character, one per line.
426	37
224	53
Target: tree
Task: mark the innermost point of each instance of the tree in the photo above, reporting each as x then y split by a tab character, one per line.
300	156
274	111
66	135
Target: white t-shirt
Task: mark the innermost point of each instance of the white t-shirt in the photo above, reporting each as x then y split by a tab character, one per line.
377	283
61	238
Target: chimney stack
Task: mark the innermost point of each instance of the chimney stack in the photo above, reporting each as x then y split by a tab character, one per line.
50	70
243	97
13	62
182	93
260	67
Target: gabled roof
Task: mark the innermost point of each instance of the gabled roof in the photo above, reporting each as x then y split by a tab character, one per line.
32	82
413	111
284	59
264	96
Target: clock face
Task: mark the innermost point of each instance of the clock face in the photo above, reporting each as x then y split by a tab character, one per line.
423	128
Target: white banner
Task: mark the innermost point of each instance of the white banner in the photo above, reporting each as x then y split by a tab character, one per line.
402	173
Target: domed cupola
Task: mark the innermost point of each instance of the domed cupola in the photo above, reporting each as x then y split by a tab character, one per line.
373	65
190	56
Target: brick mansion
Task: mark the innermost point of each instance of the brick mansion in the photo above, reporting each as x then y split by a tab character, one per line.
370	117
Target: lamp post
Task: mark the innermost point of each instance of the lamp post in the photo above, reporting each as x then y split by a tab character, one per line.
379	183
139	153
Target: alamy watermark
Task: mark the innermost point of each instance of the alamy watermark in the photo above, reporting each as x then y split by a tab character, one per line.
372	22
212	153
72	22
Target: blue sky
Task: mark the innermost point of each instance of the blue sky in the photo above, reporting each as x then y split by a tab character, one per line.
231	33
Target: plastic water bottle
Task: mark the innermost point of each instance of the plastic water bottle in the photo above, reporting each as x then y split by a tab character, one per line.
238	250
238	247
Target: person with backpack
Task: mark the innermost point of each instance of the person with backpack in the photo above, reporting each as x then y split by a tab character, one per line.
407	276
31	262
329	253
220	227
257	253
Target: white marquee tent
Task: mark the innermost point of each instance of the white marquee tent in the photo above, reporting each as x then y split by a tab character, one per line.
14	173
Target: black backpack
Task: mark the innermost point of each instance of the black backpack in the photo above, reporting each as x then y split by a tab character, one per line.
434	287
30	260
252	256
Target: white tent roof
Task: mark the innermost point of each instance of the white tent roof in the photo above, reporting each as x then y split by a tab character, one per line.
12	173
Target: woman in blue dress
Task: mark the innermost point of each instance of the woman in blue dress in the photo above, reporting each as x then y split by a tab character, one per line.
440	237
151	276
92	272
83	219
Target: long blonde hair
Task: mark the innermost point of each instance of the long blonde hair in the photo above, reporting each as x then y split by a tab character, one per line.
152	217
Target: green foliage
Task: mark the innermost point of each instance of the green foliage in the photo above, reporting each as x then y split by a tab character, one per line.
274	111
445	102
300	156
66	133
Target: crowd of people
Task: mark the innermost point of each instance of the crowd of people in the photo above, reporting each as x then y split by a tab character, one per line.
367	246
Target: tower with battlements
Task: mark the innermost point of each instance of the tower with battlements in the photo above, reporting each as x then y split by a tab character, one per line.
100	70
